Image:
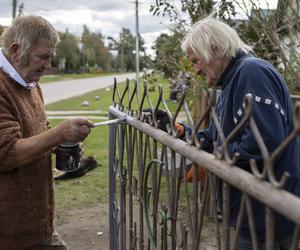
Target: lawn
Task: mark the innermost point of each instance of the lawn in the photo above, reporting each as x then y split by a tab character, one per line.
93	187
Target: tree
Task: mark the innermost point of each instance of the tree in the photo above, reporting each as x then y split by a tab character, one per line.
187	12
169	57
95	54
168	52
68	52
274	34
125	60
126	47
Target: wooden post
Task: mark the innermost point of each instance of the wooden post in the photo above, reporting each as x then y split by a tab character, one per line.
200	107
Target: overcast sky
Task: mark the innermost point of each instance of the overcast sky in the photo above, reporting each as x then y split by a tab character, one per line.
106	16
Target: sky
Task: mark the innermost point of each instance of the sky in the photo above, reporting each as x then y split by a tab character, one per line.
105	16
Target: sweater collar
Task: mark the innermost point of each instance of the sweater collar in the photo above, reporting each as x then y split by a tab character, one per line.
227	72
9	69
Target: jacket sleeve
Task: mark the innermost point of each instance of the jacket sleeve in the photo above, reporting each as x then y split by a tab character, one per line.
205	134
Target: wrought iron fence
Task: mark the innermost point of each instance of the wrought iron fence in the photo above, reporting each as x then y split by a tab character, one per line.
152	204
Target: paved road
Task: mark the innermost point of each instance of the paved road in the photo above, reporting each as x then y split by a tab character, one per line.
61	90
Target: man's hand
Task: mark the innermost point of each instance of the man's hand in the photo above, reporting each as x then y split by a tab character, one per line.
75	130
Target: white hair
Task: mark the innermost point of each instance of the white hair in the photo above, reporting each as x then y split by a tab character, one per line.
211	38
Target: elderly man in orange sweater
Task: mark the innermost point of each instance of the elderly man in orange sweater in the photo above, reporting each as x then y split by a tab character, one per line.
26	141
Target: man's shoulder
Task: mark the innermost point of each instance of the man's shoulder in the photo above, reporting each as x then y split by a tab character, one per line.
252	62
8	87
256	68
3	75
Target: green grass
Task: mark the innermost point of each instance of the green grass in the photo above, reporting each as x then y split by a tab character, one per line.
61	77
93	187
75	102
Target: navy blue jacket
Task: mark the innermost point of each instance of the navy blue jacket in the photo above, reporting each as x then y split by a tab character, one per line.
272	110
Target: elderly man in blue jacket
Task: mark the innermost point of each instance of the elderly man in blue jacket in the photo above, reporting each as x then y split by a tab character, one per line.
217	53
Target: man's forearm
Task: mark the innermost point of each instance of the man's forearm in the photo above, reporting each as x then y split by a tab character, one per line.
27	150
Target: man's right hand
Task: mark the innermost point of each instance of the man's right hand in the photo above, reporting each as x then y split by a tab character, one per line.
76	129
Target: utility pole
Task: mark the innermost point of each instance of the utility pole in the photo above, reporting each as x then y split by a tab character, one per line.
137	52
122	58
14	8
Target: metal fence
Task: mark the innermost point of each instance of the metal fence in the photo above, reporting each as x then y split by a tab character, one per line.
153	206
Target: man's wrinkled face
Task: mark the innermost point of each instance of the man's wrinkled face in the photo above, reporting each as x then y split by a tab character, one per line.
211	71
38	61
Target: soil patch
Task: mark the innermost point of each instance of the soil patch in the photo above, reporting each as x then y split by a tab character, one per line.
86	228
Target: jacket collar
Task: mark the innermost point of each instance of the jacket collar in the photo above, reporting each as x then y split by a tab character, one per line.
228	70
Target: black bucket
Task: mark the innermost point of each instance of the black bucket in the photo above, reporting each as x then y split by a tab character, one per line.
67	156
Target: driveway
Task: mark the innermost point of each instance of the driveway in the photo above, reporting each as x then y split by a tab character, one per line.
61	90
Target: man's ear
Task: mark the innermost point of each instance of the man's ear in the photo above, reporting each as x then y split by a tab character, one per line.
215	51
15	52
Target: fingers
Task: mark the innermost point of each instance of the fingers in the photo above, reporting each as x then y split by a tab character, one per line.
84	122
76	129
84	130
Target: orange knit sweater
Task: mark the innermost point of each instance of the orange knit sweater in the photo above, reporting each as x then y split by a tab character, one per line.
26	193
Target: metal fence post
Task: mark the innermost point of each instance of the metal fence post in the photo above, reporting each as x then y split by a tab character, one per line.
113	239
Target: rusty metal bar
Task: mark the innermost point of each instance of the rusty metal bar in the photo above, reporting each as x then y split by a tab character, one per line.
226	211
141	182
113	240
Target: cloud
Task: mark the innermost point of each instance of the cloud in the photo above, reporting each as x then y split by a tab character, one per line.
107	17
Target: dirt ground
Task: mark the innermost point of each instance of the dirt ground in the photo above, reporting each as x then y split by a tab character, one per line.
87	228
